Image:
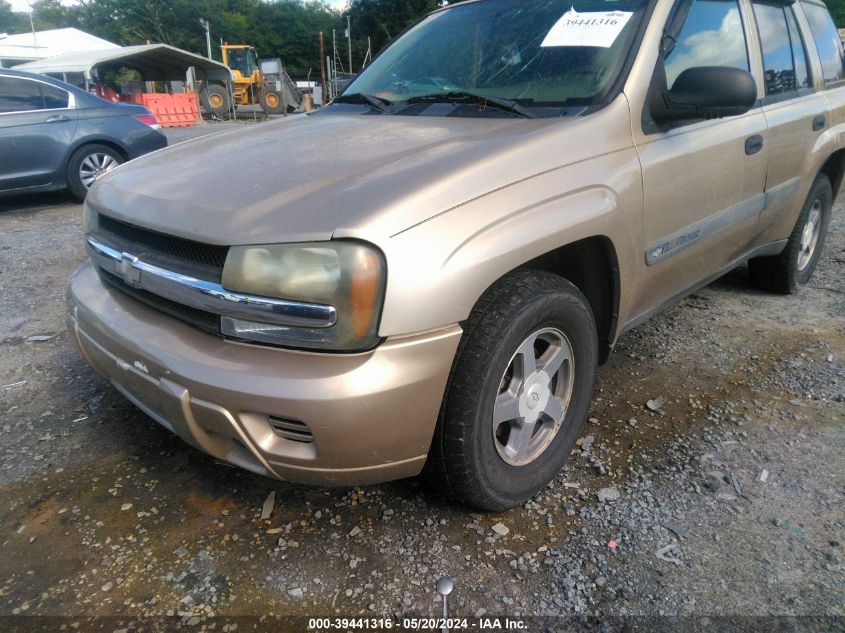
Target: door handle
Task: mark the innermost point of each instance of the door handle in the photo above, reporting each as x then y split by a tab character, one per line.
753	144
818	123
57	118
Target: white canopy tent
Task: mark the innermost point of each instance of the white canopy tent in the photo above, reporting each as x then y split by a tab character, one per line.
26	47
154	62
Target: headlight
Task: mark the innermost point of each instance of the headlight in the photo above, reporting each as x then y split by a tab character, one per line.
89	219
348	276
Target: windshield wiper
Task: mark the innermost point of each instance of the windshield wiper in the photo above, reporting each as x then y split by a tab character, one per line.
357	97
506	105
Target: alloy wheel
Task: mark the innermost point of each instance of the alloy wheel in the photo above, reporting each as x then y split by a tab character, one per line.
94	166
533	397
810	235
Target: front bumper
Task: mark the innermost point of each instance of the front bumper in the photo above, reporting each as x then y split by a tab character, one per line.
371	416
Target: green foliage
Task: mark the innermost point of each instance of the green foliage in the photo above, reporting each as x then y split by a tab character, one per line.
283	28
11	22
290	29
51	14
383	20
837	10
115	78
277	28
287	29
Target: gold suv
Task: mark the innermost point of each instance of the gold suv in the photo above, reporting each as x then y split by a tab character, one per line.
425	274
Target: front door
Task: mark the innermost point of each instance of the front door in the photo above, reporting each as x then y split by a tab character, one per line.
703	181
37	124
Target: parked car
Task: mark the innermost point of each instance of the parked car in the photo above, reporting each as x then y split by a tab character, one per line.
496	199
55	136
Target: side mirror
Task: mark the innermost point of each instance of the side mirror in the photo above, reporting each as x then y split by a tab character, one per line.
706	92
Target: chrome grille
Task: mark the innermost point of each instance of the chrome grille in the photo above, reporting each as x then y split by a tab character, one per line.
193	316
203	260
204	295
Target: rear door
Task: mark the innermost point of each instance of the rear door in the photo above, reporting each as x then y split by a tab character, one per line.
37	125
797	114
831	61
703	181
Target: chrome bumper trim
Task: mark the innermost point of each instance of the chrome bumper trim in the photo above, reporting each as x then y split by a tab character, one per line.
207	295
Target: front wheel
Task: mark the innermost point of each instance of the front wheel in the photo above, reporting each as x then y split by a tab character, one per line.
271	102
87	164
519	392
215	99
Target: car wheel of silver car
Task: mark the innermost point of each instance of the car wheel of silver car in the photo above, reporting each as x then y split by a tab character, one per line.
87	164
794	267
519	392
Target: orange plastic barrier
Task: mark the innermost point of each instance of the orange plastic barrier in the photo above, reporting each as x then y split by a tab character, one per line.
180	109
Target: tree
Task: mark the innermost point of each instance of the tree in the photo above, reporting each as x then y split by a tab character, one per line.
837	10
52	14
289	30
383	20
139	21
10	21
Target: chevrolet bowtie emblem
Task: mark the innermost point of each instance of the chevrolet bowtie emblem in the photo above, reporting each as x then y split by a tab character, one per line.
126	269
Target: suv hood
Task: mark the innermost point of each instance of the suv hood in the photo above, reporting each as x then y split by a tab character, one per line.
306	177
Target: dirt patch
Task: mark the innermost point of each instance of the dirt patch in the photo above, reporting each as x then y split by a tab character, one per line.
104	512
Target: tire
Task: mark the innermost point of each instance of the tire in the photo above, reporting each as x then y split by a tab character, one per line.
793	268
215	99
88	163
272	102
472	458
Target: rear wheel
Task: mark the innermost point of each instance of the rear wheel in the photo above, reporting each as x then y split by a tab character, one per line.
793	268
519	392
271	102
87	164
217	100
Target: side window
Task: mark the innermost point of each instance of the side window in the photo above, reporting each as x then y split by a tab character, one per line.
712	35
19	95
24	95
54	98
827	42
799	52
778	50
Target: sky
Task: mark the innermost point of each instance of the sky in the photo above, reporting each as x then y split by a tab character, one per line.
22	5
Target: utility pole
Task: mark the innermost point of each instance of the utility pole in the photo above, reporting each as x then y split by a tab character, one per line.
349	40
325	98
207	28
32	26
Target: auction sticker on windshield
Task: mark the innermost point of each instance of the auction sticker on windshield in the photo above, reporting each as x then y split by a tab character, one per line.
595	28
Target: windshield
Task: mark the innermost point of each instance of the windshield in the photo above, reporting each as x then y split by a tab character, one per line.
242	60
532	53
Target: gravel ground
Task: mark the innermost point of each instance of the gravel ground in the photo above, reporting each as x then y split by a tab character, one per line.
723	498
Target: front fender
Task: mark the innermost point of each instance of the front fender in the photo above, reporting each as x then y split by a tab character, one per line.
439	269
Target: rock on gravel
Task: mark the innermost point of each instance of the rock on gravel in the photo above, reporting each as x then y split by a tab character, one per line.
501	529
608	494
269	504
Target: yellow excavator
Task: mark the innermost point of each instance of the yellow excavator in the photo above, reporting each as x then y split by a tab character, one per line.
263	83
